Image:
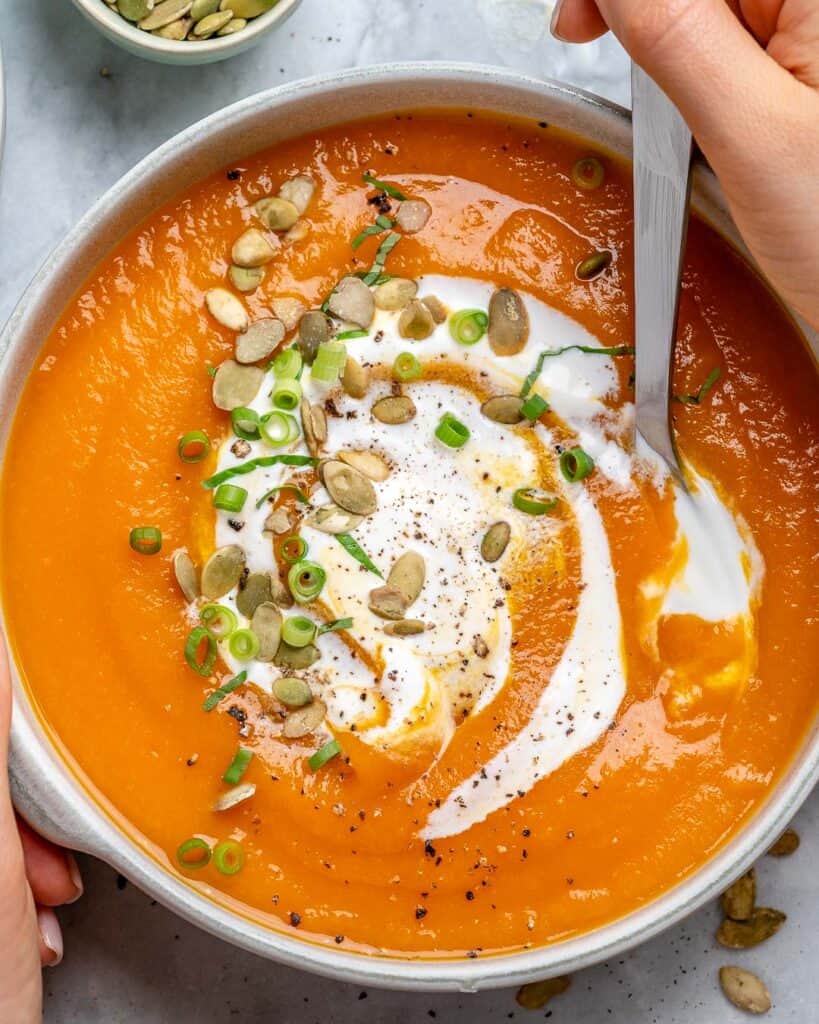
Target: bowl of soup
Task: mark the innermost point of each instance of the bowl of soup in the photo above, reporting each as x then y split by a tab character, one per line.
346	618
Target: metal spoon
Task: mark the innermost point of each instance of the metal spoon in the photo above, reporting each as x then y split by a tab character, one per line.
662	188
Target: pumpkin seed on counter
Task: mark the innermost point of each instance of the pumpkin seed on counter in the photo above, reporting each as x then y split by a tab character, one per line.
786	844
191	20
738	900
761	924
744	989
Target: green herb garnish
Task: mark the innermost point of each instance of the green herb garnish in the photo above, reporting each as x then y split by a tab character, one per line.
616	350
352	547
383	186
248	467
707	384
224	691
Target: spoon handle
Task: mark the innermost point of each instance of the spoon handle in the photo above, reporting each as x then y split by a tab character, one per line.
662	188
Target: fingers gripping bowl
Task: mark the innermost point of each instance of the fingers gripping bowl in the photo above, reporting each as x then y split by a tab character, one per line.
438	884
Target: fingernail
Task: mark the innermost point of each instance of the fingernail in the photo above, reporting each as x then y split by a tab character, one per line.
51	935
75	876
554	27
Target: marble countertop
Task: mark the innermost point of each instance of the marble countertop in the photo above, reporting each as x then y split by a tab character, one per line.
71	133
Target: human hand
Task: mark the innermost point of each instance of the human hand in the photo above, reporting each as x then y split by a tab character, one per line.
745	75
34	877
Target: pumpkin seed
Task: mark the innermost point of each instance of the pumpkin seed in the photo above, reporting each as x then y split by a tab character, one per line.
405	627
503	409
761	925
233	26
267	625
208	26
252	249
222	570
307	429
276	213
508	322
135	10
407	575
289	311
185	573
537	994
348	488
388	602
356	378
224	307
738	900
318	420
202	8
593	265
332	519
282	597
785	845
299	231
278	521
303	721
177	30
164	13
395	294
416	321
495	541
299	190
235	385
235	796
296	658
292	692
368	463
260	340
394	410
253	591
352	301
480	646
744	989
436	307
313	331
412	215
246	279
248	8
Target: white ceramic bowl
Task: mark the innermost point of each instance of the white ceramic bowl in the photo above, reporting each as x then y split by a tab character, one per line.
48	785
169	51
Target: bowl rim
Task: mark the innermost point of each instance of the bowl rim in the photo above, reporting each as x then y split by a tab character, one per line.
181	51
66	810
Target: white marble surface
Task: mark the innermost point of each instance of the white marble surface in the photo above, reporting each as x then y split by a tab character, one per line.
71	134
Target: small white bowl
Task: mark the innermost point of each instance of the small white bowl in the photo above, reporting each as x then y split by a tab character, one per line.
170	51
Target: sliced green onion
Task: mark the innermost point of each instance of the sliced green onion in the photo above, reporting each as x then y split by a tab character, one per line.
197	636
278	428
334	626
293	549
374	274
300	495
245	423
223	691
323	755
468	326
243	644
238	766
406	367
351	335
286	394
451	432
193	854
229	498
193	446
534	407
708	383
146	540
288	363
382	186
229	857
248	467
533	501
298	631
531	379
219	619
306	581
352	547
588	173
329	362
576	465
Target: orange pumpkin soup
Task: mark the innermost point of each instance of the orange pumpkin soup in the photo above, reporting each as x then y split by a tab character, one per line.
410	649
